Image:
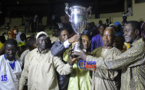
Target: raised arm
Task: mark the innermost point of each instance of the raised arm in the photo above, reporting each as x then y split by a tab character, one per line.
132	55
58	48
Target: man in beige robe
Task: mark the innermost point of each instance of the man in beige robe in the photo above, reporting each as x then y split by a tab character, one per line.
40	67
131	61
105	79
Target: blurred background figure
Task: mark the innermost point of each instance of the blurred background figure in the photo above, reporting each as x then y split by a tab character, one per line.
27	24
97	40
118	29
119	43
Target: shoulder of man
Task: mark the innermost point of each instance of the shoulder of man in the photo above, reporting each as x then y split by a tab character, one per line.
1	58
57	43
116	50
32	53
96	50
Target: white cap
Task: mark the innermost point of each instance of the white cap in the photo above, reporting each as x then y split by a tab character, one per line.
40	33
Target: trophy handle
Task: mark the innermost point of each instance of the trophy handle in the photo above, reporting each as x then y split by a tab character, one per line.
66	9
89	11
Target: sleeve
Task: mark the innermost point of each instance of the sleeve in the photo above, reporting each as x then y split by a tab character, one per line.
57	49
127	58
66	44
62	69
24	75
95	52
141	62
92	44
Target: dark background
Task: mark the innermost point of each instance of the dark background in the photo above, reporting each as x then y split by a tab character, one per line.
18	8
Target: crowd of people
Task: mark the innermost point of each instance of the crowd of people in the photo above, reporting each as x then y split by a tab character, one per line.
40	62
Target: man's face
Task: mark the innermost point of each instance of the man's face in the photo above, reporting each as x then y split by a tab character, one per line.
10	51
107	38
129	33
85	42
101	30
117	28
63	36
42	42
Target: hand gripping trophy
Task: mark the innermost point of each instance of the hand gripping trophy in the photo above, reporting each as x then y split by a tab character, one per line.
78	17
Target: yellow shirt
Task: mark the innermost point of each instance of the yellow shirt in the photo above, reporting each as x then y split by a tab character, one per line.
79	79
1	45
126	45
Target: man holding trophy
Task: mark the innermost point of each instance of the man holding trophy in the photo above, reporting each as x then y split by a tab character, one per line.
78	19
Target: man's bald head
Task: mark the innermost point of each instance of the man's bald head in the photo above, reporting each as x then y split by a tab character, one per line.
108	37
112	30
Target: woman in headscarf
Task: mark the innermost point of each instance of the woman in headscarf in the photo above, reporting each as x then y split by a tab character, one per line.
118	29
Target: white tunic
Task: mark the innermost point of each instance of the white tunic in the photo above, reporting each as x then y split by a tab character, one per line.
9	78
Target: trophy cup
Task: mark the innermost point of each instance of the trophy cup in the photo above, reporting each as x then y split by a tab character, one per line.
78	17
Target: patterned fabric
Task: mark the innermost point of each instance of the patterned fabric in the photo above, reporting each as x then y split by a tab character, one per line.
96	42
105	79
80	79
132	64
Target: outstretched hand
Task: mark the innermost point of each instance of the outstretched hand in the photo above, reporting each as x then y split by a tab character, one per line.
74	38
72	60
80	54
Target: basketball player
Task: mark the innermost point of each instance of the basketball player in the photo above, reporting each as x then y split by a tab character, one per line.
10	67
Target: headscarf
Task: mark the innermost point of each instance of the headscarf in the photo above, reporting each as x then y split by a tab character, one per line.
120	33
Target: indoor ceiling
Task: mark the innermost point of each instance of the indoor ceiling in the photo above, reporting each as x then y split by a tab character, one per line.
45	7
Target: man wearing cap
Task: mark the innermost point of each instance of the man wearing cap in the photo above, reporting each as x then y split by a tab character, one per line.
40	67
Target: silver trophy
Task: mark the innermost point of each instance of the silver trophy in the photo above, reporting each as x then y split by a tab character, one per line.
78	17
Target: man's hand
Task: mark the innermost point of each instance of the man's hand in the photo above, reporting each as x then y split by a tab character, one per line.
71	60
75	38
80	54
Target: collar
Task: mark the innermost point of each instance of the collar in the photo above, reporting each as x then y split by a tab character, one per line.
137	42
43	52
